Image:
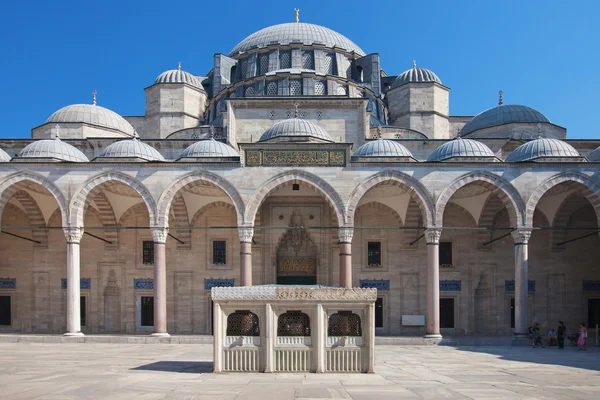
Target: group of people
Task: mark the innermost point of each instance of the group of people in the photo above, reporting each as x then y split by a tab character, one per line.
557	337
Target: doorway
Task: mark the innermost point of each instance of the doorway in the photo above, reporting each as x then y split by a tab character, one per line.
446	313
593	313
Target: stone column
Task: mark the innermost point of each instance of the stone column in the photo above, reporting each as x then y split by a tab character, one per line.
321	338
246	234
218	338
73	236
369	328
270	336
521	238
160	281
345	235
432	314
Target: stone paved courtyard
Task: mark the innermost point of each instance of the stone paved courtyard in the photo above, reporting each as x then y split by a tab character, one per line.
164	371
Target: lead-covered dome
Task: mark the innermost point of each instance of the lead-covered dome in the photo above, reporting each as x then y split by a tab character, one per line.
296	128
54	149
415	75
504	114
4	157
461	148
91	114
178	76
209	148
543	148
132	149
296	32
382	148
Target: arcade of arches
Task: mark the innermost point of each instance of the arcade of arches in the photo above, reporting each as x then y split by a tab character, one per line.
474	257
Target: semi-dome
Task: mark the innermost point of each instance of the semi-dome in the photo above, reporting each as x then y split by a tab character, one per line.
4	157
91	114
504	114
295	128
543	148
382	148
461	148
296	32
53	149
178	76
415	75
209	148
594	155
131	148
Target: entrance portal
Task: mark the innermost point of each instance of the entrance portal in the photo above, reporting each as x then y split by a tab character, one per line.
296	255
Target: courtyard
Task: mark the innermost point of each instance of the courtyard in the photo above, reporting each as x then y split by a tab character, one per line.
180	371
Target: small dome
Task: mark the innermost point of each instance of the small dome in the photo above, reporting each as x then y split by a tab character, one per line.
295	127
178	76
93	115
131	148
382	148
4	157
594	155
53	148
542	148
296	32
460	147
504	114
209	148
415	75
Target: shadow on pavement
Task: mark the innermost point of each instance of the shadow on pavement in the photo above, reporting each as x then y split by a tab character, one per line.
192	367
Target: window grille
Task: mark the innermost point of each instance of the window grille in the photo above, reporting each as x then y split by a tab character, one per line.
304	114
307	60
293	323
195	136
319	115
5	311
242	323
285	60
249	91
344	323
148	253
147	311
232	95
264	64
295	87
374	254
272	89
219	252
329	63
341	91
319	88
445	254
345	66
244	69
288	114
272	114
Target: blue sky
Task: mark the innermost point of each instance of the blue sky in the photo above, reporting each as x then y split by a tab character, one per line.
544	54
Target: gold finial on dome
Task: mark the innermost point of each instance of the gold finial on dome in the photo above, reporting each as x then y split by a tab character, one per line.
500	101
297	10
179	66
94	93
414	64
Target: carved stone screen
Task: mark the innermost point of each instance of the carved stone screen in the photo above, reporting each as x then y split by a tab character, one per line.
344	323
293	323
243	323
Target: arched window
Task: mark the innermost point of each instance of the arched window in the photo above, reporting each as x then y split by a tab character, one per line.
295	87
285	60
264	64
250	91
307	60
242	323
344	323
293	323
272	89
244	69
341	91
320	88
329	63
232	73
359	73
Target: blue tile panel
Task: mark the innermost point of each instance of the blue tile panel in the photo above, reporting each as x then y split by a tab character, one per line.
143	284
451	286
211	283
84	283
382	284
8	283
509	286
588	286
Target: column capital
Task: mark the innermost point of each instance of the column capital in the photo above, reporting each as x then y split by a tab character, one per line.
521	235
345	234
159	234
246	233
433	235
73	235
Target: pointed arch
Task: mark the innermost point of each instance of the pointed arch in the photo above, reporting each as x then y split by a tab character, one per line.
210	206
168	195
509	196
83	195
36	218
295	176
567	208
417	191
107	218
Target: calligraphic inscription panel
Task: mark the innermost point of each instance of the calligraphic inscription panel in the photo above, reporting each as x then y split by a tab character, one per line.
306	265
318	158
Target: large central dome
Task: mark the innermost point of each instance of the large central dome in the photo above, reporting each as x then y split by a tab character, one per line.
296	32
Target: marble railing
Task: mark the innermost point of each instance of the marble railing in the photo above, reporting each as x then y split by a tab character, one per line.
241	360
292	360
232	341
343	359
341	341
294	340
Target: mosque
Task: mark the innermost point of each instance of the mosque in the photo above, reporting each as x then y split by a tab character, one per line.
298	160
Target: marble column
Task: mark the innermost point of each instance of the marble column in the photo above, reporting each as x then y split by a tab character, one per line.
321	317
218	338
432	314
369	364
73	236
521	238
160	281
345	235
270	329
246	234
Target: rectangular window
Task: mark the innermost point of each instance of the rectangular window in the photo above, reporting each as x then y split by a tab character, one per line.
445	254
148	253
379	312
446	313
219	252
374	253
147	310
5	316
82	310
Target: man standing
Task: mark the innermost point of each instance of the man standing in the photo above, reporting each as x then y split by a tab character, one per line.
560	334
